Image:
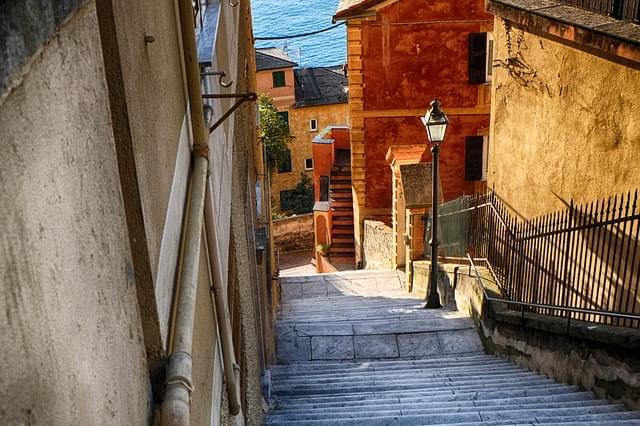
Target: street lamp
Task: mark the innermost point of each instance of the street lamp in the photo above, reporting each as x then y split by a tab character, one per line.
435	122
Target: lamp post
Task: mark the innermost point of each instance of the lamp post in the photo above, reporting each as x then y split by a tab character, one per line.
435	122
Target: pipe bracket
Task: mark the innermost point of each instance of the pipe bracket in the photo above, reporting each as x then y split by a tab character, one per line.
241	98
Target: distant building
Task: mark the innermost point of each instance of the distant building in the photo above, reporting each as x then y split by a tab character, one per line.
401	55
566	114
309	99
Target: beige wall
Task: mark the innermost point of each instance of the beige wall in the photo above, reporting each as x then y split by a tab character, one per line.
573	132
70	329
301	147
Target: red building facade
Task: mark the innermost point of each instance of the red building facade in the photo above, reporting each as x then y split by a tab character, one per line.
401	55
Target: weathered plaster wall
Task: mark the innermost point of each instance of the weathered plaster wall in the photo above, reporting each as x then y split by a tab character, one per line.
151	124
378	246
70	330
381	133
294	233
399	60
572	133
301	147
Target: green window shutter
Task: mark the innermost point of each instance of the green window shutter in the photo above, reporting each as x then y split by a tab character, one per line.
284	115
473	158
284	166
477	58
278	79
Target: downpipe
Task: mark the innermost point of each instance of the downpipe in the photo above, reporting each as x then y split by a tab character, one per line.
219	298
176	405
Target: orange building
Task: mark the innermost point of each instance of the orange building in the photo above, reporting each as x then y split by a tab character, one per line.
309	99
401	55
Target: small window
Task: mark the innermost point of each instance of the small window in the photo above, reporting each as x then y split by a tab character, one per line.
284	115
284	166
473	157
278	79
476	157
313	125
308	164
324	188
287	199
477	58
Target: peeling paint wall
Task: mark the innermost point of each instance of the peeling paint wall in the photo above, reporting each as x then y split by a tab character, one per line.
571	133
73	349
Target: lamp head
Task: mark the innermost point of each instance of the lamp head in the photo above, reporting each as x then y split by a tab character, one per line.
435	122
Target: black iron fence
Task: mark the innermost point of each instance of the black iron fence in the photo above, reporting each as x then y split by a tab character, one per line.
582	263
628	10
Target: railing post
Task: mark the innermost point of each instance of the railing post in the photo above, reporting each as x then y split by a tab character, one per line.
567	260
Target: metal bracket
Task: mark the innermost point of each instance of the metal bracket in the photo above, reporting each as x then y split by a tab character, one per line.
232	4
241	98
221	74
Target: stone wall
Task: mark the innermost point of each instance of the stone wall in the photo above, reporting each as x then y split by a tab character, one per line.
294	233
597	358
573	133
378	245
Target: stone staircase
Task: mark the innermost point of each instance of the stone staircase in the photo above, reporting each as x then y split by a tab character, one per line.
342	243
354	349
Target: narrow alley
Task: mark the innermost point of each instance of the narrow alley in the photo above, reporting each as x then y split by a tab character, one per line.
355	348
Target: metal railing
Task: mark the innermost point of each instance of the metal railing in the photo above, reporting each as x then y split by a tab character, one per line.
628	10
582	263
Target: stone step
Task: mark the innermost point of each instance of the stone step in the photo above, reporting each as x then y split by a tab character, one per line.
458	407
393	376
343	239
437	361
496	397
454	371
523	379
578	415
366	397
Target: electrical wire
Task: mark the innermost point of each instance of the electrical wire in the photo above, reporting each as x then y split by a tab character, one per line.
300	35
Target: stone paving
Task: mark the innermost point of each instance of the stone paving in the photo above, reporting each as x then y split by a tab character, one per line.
354	348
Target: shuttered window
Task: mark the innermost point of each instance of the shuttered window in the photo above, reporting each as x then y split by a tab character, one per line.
477	58
278	79
473	157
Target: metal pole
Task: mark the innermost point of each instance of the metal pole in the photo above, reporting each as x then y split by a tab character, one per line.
433	300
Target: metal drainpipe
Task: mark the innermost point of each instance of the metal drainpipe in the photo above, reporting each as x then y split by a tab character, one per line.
219	296
175	408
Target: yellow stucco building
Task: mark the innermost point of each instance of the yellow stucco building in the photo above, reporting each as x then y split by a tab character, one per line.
565	116
309	99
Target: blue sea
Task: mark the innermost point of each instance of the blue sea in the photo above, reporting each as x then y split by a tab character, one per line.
285	17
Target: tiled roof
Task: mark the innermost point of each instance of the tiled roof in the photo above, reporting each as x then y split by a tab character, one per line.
272	58
320	86
347	8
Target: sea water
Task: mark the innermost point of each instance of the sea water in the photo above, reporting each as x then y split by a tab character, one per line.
285	17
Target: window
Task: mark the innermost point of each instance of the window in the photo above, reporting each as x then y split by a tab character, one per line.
287	199
313	125
284	115
278	79
324	188
308	164
476	154
284	166
480	58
